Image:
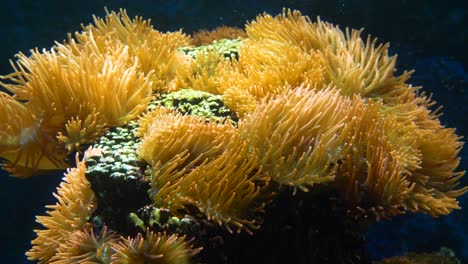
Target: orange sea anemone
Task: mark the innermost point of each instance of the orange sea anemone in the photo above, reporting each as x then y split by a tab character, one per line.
76	202
205	72
353	65
84	246
77	89
300	135
25	144
58	88
154	248
153	51
372	178
203	164
390	171
268	67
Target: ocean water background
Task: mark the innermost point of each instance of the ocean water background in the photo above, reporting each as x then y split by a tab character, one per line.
428	37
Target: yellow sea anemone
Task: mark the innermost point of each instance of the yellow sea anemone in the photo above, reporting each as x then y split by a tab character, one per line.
72	91
316	105
154	248
59	88
81	130
353	65
300	135
205	72
372	178
76	202
25	144
84	246
268	67
202	164
239	101
436	179
153	51
390	169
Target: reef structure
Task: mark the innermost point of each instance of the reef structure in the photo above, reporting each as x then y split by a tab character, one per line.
279	143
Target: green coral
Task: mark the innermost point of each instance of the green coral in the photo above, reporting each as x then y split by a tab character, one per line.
119	157
229	48
160	219
197	103
117	178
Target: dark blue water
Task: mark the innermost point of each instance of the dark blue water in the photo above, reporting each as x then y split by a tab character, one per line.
429	37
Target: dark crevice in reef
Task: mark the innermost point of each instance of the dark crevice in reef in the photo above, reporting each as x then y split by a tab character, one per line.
117	178
116	199
301	228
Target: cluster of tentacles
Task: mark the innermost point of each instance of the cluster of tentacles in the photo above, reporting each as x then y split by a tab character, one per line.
316	106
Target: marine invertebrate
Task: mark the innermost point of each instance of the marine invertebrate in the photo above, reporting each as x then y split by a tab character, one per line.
300	135
265	67
76	202
80	132
239	101
24	141
436	180
385	173
203	164
355	66
205	69
84	246
153	51
74	81
227	47
363	68
153	248
60	87
372	178
195	102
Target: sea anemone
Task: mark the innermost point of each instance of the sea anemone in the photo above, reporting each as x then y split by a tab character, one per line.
59	88
205	72
268	67
300	135
76	203
74	91
25	143
153	51
80	132
84	246
203	164
239	101
372	178
437	179
353	65
154	248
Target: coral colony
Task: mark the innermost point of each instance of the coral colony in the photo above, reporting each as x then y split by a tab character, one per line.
187	148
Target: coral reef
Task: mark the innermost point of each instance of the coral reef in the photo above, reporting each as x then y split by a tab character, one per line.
210	143
195	102
443	256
